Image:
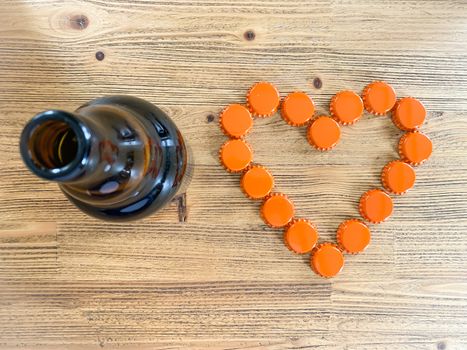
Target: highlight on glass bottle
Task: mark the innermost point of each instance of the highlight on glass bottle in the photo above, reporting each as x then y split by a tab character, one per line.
115	158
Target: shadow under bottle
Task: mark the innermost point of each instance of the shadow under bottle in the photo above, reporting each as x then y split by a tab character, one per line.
115	158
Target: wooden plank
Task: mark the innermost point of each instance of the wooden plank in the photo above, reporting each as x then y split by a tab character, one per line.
200	57
123	312
414	310
27	250
153	311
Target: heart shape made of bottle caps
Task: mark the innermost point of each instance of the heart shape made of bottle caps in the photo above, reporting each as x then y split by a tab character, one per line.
323	133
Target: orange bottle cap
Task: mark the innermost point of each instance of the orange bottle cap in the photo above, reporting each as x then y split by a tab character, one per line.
409	114
297	109
301	236
257	182
379	97
415	147
277	210
398	177
235	155
236	121
323	133
327	260
263	99
353	236
375	206
346	107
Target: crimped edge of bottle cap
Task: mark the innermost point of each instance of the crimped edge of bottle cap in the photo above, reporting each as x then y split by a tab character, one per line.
384	174
339	235
401	151
222	161
360	205
365	98
226	133
254	165
283	113
294	221
332	110
318	247
396	120
270	195
250	108
310	141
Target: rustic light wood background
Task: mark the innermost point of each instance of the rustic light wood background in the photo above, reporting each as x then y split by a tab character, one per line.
220	279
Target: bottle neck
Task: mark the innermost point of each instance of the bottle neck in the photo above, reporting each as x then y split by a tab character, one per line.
56	146
98	151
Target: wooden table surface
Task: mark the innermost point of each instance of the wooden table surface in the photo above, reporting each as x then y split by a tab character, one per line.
210	274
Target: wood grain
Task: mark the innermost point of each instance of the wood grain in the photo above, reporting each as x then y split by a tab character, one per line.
221	279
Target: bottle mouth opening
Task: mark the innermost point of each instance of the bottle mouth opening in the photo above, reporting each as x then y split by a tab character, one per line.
52	144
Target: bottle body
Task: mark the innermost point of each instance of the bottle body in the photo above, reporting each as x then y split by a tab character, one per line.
116	158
